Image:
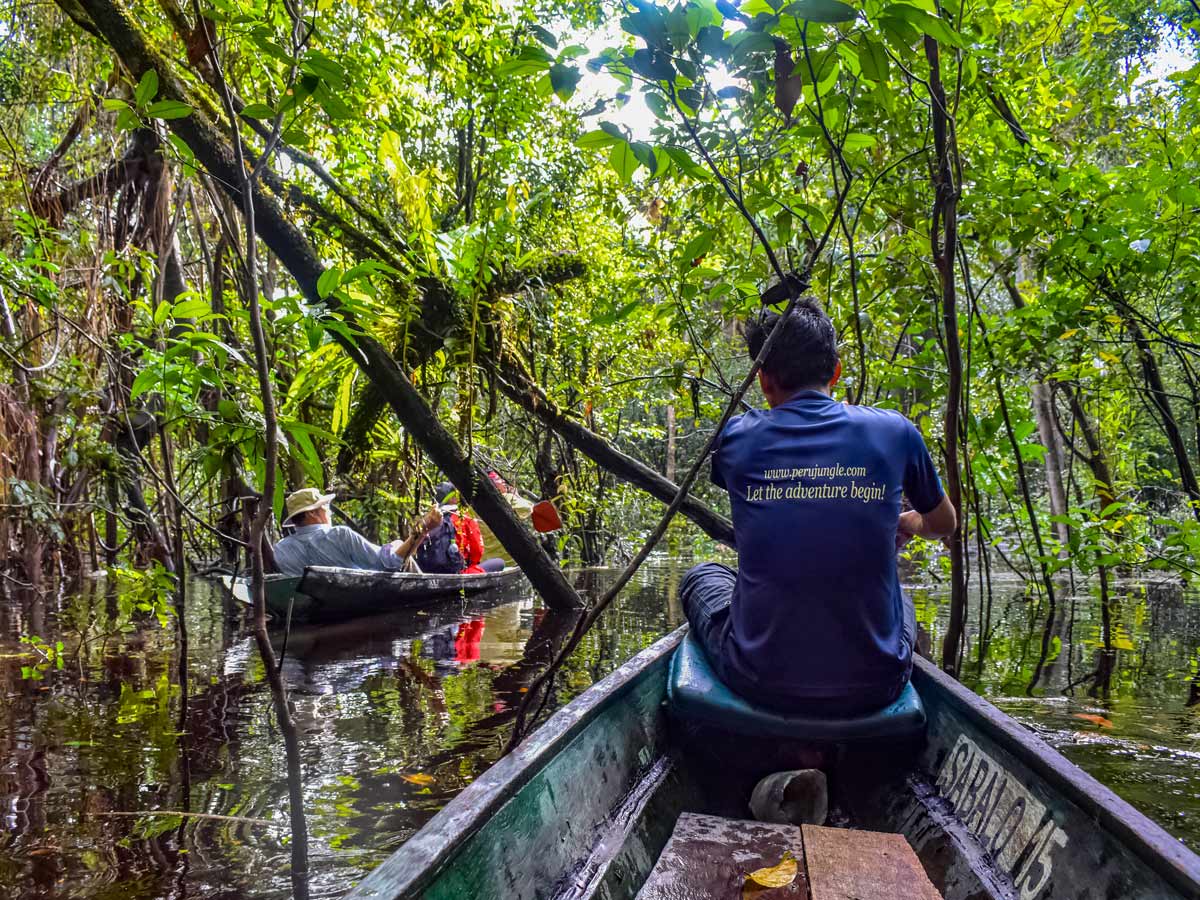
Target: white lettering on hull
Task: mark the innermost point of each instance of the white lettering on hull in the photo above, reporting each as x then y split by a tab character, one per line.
1006	820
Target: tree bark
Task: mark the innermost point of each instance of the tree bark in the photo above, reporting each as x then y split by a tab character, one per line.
669	467
1047	425
943	238
288	242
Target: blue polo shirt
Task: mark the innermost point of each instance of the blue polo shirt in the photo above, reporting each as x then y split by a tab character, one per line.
815	488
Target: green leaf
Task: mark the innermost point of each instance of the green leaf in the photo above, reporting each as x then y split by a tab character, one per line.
113	104
328	70
648	24
874	60
686	164
931	25
258	111
652	64
335	107
821	11
858	141
529	61
711	42
329	281
146	88
696	248
191	308
657	104
181	147
127	120
623	160
595	140
145	380
617	315
544	36
613	129
308	453
748	42
564	79
161	312
645	155
168	109
829	78
679	29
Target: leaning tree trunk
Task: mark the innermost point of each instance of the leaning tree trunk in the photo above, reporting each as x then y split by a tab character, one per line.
289	243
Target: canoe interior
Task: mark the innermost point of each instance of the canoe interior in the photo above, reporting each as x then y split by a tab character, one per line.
329	594
584	807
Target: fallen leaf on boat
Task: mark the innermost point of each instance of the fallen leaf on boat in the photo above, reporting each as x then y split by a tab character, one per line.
774	876
1094	719
419	778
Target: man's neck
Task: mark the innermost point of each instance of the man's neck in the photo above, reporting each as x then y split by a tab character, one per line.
789	396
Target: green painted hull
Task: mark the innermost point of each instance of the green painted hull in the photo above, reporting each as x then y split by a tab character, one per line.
328	594
584	806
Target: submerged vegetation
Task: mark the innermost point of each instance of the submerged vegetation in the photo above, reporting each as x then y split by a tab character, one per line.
253	246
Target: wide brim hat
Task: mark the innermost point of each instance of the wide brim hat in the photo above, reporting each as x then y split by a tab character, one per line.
304	500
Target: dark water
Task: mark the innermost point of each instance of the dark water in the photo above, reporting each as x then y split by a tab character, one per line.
399	713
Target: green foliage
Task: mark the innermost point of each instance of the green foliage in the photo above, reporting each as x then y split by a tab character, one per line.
471	146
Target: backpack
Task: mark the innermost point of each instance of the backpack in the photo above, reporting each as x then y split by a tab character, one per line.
439	553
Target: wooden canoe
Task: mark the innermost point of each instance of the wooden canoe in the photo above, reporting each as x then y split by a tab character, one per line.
584	807
329	594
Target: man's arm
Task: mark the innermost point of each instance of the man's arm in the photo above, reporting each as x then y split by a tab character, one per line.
924	492
402	550
940	522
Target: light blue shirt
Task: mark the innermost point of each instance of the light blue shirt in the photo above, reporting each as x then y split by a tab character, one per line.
332	545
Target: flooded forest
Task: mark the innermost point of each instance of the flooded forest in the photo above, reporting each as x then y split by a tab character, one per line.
382	249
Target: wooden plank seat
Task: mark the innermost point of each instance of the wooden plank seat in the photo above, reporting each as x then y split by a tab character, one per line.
712	858
847	864
709	858
697	695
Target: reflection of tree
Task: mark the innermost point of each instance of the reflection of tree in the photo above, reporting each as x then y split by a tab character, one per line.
1051	630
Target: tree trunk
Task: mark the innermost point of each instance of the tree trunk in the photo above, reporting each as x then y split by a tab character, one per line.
669	467
1047	425
1170	426
943	238
289	243
1044	415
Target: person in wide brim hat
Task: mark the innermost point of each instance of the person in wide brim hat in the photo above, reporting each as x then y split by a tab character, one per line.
303	501
317	542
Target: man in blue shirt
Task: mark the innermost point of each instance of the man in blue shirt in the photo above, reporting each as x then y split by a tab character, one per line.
814	619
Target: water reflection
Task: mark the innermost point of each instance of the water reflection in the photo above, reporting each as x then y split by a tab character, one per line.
395	714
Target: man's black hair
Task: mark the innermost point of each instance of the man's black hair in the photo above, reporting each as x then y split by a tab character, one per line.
804	354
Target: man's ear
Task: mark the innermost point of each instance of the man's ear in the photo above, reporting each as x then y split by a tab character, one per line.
837	374
766	383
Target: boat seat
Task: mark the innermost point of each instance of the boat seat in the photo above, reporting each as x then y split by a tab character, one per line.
697	695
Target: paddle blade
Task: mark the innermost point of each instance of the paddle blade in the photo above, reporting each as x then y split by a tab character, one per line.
545	517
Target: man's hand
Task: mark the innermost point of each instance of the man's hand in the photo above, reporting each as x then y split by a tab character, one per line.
907	528
939	523
432	520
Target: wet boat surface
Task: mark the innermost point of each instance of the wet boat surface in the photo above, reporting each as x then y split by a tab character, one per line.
584	807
